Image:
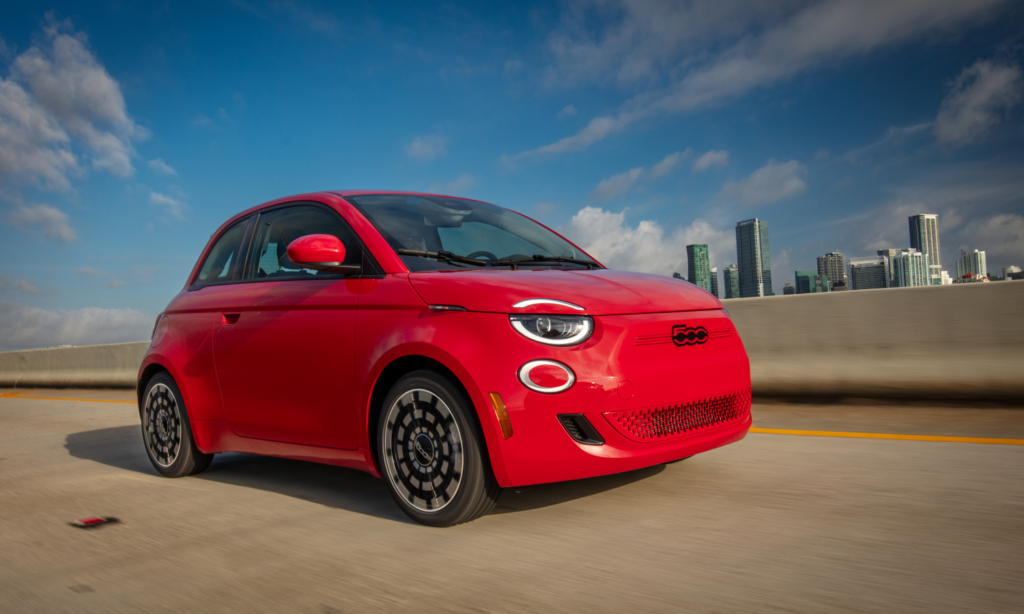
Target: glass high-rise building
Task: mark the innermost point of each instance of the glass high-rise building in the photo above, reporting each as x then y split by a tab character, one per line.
788	289
809	282
731	280
869	273
924	237
752	255
697	266
909	269
714	282
832	265
971	262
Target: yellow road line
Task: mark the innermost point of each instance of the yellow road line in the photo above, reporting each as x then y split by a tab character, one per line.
1009	442
19	396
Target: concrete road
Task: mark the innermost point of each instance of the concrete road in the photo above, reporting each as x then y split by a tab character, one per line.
775	523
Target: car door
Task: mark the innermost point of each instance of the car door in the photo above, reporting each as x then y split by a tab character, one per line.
284	345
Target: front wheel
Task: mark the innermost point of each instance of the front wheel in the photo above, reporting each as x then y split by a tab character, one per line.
431	452
167	431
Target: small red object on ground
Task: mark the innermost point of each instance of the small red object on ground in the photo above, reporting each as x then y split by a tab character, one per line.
93	521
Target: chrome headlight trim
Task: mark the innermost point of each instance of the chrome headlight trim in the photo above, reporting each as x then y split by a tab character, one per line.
586	330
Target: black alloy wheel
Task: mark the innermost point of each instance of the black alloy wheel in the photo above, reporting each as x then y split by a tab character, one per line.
167	432
432	454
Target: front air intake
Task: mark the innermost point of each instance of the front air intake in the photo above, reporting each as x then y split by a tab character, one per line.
580	429
667	421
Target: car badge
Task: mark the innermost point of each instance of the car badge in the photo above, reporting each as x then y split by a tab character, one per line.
689	335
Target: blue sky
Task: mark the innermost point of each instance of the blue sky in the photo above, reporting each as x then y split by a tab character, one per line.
130	131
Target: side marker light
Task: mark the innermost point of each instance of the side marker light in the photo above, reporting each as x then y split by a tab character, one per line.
499	410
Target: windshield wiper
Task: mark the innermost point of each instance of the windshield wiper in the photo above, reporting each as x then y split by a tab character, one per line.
539	258
441	256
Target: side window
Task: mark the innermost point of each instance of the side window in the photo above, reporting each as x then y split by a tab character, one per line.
221	263
268	257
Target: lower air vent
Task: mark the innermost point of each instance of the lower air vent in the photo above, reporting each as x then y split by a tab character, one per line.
580	429
660	423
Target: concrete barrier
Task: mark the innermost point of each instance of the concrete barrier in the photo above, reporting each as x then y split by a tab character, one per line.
957	342
964	341
95	366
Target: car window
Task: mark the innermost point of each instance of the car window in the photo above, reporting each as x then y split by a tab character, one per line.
276	229
221	263
462	227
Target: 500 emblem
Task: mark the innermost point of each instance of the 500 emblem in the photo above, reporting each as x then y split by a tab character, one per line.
689	335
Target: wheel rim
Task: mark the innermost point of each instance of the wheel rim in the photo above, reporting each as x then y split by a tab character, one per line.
423	450
162	426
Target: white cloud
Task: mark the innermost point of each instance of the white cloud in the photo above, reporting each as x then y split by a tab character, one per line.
770	183
617	184
666	165
52	221
66	79
23	327
86	271
715	157
762	43
821	154
976	99
426	147
461	184
162	167
18	284
58	96
173	206
513	66
568	111
646	248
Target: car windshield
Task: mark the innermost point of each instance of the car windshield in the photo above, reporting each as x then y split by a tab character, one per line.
466	229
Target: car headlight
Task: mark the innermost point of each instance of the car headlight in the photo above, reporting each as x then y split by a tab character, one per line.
553	330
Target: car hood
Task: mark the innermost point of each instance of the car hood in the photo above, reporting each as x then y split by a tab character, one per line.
598	292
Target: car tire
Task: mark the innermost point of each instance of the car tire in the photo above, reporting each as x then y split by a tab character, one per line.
167	430
428	435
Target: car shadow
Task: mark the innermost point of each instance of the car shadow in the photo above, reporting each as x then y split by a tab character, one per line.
336	487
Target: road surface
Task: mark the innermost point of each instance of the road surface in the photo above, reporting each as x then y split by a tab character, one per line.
774	523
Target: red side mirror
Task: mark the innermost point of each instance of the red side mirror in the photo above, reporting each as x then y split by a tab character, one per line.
320	252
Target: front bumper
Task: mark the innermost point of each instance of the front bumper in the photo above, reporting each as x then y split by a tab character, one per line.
629	365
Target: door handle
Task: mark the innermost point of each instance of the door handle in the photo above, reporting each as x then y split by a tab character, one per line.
229	318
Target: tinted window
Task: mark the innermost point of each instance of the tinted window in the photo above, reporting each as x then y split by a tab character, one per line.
276	229
462	227
221	263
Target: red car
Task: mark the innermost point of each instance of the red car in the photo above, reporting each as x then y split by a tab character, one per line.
451	346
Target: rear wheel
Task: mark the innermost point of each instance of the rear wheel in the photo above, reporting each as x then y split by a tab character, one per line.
431	452
167	432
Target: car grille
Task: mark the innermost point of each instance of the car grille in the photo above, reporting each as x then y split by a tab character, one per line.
659	423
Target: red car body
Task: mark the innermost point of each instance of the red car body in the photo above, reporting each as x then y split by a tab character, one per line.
296	368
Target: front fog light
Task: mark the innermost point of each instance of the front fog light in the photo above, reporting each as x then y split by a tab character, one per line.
553	330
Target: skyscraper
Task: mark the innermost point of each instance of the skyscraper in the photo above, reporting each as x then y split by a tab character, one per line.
910	269
731	278
832	266
788	289
714	282
808	282
971	262
869	273
924	237
890	255
752	255
698	272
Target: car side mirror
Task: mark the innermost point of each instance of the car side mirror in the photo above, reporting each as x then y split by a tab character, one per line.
321	253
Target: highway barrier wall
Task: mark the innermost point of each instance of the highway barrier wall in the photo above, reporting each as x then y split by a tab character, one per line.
942	342
964	341
115	365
